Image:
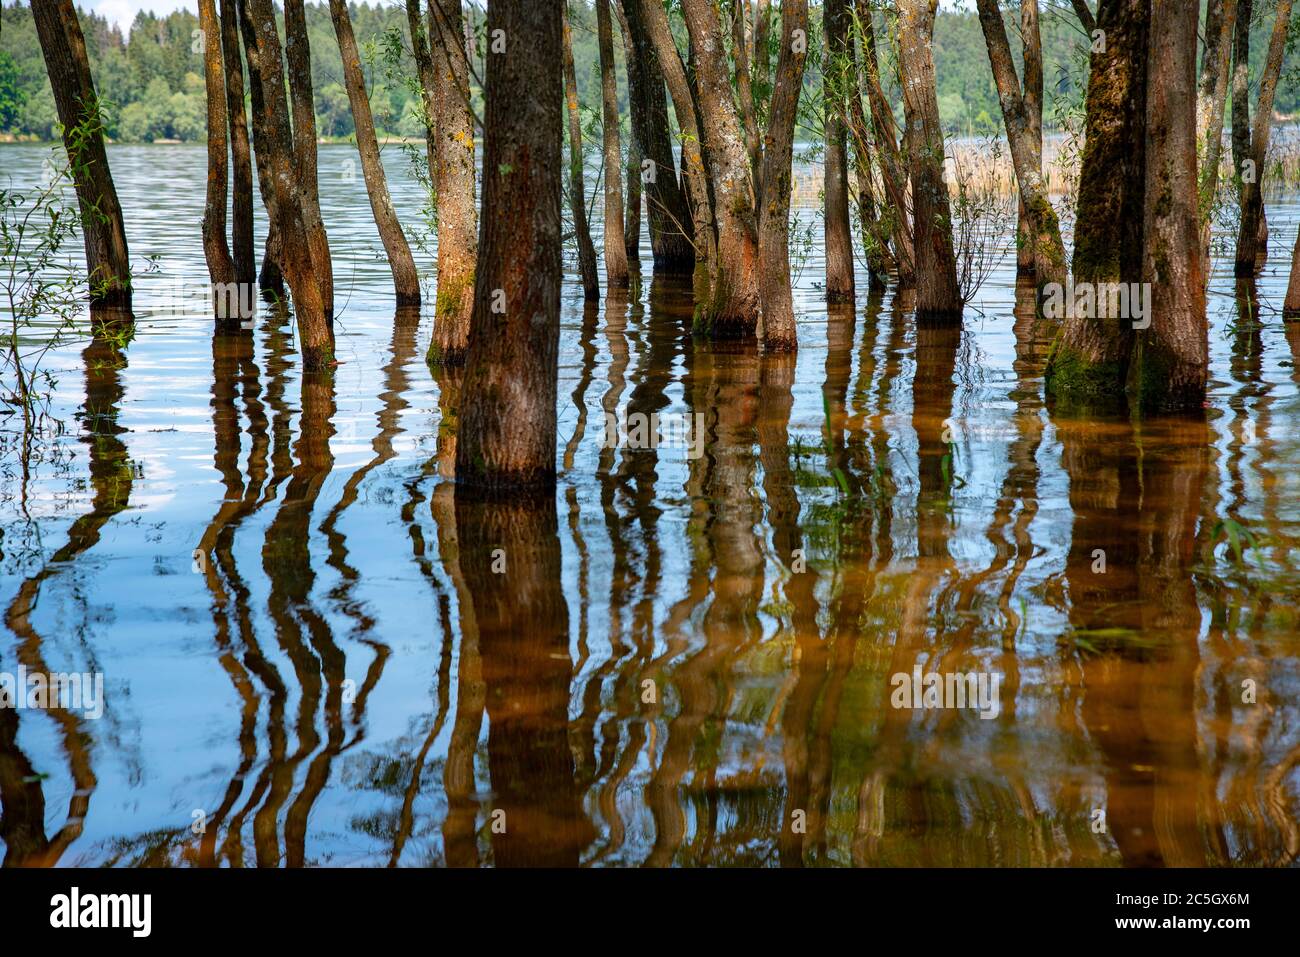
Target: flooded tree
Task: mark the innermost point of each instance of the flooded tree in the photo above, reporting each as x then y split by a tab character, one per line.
507	424
668	211
1252	235
108	262
406	281
1022	116
577	173
216	246
424	71
241	163
837	87
1090	358
270	277
616	272
1212	98
1171	357
307	286
774	212
938	296
732	308
454	182
297	56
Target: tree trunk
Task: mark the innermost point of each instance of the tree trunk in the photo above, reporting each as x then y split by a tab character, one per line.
1241	133
297	51
938	297
668	210
651	15
1032	57
616	276
454	177
893	170
406	281
507	419
216	248
1024	135
241	164
1089	361
306	284
577	177
1171	358
778	150
1252	238
635	149
733	307
875	236
108	261
1211	102
745	94
271	276
837	84
424	70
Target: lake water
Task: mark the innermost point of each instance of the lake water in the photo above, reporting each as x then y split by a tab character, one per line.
309	657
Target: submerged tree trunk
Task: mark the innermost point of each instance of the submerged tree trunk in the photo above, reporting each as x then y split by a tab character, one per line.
406	281
1171	358
1252	238
774	214
241	164
298	58
616	276
1242	154
216	248
837	87
938	296
507	419
306	285
577	177
651	14
1032	57
1212	95
635	149
454	179
733	307
669	212
1089	360
893	170
271	277
1024	135
108	261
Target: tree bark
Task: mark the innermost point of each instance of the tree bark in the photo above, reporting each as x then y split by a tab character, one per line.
616	275
1212	95
216	247
669	212
1024	136
1089	361
577	177
507	420
893	170
271	277
1252	238
406	281
778	150
837	82
298	58
108	261
241	165
1171	358
733	307
635	149
306	283
1032	58
938	297
454	177
651	14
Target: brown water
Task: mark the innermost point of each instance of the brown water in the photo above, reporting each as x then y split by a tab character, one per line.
312	654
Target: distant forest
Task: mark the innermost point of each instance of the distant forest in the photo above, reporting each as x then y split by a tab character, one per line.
153	79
